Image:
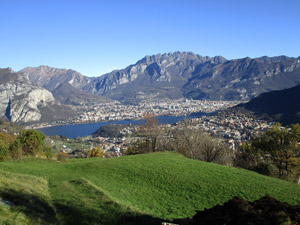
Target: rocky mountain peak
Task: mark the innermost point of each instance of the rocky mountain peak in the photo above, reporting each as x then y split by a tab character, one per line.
179	56
219	59
10	70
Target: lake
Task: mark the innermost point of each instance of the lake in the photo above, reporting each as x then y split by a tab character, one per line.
81	130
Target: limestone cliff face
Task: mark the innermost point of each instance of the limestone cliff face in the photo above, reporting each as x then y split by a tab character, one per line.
20	99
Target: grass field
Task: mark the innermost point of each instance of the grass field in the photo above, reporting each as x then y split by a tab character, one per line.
136	188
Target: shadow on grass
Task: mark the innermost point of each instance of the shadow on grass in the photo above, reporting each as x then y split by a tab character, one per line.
38	210
76	215
80	204
84	203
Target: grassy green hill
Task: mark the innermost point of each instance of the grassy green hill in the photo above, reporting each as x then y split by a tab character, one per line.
128	189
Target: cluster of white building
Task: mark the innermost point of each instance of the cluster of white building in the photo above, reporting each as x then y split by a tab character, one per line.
175	107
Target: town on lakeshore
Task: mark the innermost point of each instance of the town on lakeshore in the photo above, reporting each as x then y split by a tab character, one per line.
232	129
115	110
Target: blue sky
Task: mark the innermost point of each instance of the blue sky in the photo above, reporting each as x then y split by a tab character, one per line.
93	37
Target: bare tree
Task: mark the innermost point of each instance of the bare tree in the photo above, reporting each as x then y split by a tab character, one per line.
150	132
195	143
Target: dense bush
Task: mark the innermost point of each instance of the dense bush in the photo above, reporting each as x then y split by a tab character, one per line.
32	142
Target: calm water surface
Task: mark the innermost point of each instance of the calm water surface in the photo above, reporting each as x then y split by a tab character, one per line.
81	130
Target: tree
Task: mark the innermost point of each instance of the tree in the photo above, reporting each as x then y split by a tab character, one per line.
32	142
6	140
150	131
246	158
280	147
197	144
16	151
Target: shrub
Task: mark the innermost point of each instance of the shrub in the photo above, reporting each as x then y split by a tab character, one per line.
96	152
6	140
48	152
130	151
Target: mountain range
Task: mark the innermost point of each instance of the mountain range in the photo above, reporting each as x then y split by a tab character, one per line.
177	75
169	75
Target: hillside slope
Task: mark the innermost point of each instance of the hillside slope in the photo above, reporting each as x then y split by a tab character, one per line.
282	106
163	185
67	94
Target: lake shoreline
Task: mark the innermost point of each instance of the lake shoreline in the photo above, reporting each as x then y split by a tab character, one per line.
105	121
86	129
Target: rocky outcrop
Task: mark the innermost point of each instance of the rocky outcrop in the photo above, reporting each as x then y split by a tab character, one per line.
20	100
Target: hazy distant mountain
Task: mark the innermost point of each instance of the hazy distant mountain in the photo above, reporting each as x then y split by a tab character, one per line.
180	74
65	85
50	78
23	101
282	106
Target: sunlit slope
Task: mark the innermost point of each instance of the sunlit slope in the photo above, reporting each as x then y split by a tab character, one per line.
163	185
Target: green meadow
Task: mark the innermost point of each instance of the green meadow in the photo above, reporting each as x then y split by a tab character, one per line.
138	189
